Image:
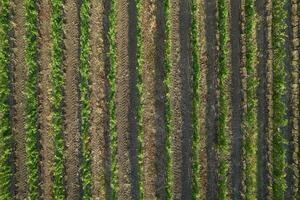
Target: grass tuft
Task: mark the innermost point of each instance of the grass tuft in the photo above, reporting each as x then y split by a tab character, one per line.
279	15
249	119
112	98
85	168
223	74
140	109
195	102
167	83
5	126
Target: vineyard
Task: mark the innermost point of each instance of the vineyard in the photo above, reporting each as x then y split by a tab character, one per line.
149	99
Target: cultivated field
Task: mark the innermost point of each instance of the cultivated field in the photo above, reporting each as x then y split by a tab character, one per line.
149	99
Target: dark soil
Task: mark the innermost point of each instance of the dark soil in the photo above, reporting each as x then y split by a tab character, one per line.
235	38
211	109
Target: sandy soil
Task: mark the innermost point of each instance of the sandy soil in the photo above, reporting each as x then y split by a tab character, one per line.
47	140
99	91
71	109
18	83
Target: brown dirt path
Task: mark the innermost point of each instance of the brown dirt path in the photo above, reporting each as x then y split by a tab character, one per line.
71	109
181	105
211	110
126	100
148	31
18	86
160	100
153	99
47	140
236	96
99	91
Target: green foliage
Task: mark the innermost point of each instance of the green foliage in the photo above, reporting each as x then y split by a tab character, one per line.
167	83
5	126
140	109
279	15
112	97
195	102
249	121
33	159
57	81
223	138
85	168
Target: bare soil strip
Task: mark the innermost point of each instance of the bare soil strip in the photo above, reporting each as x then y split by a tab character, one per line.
211	109
293	101
134	99
153	100
287	130
295	96
181	99
261	93
148	31
47	140
236	97
71	109
126	100
99	91
160	100
203	100
18	84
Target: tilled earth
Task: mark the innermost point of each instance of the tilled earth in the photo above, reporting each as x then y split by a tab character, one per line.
152	103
